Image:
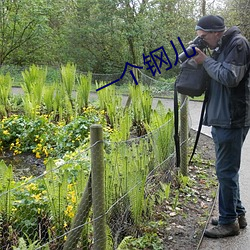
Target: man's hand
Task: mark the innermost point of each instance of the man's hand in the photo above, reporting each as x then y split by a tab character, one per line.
199	57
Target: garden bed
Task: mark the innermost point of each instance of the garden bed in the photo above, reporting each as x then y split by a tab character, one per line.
150	204
178	222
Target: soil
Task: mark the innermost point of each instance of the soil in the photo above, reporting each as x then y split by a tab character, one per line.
24	164
188	221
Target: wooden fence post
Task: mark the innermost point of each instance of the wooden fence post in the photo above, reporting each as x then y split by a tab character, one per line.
80	218
98	195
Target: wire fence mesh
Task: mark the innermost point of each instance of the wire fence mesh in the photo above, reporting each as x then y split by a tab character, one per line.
41	210
44	211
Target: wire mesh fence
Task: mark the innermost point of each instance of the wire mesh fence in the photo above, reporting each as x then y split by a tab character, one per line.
56	209
45	211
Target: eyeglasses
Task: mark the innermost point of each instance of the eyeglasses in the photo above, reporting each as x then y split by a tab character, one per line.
203	36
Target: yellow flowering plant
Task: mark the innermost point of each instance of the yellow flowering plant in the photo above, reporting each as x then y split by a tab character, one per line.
30	206
44	137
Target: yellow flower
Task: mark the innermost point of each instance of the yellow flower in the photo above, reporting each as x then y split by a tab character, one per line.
31	187
73	199
6	132
37	196
16	152
71	194
38	155
45	151
14	209
102	112
69	211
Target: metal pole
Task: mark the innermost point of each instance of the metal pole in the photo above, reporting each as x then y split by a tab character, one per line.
184	135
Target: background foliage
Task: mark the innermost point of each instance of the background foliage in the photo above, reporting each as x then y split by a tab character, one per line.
102	35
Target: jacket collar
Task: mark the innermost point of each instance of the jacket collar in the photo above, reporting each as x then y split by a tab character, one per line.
231	32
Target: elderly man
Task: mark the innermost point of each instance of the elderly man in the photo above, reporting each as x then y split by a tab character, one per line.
228	112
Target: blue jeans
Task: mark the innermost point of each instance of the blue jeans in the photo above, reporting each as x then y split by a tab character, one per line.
228	145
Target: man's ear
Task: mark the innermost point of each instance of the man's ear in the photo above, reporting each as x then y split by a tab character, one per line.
219	34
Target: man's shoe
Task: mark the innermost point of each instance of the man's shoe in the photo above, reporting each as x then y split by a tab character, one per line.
221	231
241	219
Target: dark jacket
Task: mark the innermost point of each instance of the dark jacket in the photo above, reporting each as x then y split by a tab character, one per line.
228	103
